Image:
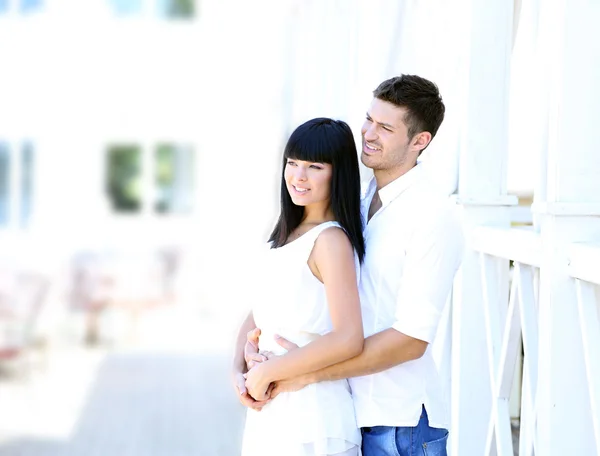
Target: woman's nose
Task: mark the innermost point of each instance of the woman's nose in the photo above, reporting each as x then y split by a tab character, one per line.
300	173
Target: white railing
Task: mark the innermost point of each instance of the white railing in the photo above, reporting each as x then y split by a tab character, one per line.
584	267
511	323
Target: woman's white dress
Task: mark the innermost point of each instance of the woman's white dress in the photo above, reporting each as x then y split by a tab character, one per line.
319	419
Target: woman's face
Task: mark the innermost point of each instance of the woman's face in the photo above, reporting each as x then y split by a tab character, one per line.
308	182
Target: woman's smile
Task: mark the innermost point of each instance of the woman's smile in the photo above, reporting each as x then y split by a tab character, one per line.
300	190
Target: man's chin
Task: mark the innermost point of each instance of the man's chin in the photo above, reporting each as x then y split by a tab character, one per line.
367	160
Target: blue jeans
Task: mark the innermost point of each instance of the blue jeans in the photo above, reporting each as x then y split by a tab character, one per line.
420	440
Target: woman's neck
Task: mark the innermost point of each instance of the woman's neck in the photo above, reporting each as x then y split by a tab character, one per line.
316	215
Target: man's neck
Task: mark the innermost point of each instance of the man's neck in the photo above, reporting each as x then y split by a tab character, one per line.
384	176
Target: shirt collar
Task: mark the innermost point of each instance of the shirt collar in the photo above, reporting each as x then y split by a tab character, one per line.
369	189
392	190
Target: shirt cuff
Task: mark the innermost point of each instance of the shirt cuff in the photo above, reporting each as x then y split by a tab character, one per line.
420	325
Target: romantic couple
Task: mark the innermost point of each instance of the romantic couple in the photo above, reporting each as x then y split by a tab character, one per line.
334	357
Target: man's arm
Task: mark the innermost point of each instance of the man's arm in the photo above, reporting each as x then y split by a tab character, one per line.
430	264
381	351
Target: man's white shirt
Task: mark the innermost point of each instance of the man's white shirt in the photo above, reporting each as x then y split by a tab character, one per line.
414	245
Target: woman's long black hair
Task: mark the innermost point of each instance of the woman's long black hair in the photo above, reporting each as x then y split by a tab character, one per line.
324	140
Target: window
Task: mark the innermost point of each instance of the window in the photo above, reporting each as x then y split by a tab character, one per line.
158	180
174	178
30	6
176	9
123	182
169	9
22	6
27	179
16	184
126	7
4	184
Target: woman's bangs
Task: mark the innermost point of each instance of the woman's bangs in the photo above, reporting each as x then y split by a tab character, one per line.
309	148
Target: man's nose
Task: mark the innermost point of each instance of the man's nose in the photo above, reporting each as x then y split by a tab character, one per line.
369	132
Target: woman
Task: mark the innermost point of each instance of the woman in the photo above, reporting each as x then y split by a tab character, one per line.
310	297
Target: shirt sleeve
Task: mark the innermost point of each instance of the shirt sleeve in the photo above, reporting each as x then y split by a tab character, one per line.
432	259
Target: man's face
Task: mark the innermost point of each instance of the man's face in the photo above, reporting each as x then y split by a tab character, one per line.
385	142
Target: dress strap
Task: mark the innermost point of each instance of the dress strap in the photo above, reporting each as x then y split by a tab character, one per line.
317	230
314	233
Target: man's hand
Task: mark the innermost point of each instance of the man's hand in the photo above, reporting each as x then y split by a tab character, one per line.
239	383
251	349
255	385
253	356
289	385
289	346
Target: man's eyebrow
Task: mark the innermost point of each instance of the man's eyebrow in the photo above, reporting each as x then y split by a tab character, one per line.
380	123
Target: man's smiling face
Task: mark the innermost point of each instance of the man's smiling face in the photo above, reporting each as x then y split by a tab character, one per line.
385	142
386	146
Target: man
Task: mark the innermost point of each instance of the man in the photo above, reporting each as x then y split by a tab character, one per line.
414	246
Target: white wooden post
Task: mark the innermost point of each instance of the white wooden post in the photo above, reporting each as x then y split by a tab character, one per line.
482	194
571	213
590	332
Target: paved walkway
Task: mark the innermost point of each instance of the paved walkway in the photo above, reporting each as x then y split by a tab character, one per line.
167	396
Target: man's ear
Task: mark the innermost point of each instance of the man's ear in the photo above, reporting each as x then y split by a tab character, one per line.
422	140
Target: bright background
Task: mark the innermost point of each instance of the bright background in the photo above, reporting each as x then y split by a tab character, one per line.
140	145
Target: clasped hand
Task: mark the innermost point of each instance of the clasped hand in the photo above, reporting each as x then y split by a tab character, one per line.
258	384
255	388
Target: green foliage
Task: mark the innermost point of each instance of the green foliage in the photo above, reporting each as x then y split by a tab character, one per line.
181	9
124	177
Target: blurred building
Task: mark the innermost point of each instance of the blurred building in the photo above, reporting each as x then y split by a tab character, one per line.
99	115
118	116
122	132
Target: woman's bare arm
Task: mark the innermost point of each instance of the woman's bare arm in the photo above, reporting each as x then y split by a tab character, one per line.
333	257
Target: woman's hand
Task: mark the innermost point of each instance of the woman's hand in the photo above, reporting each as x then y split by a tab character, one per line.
258	383
239	383
258	386
256	358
